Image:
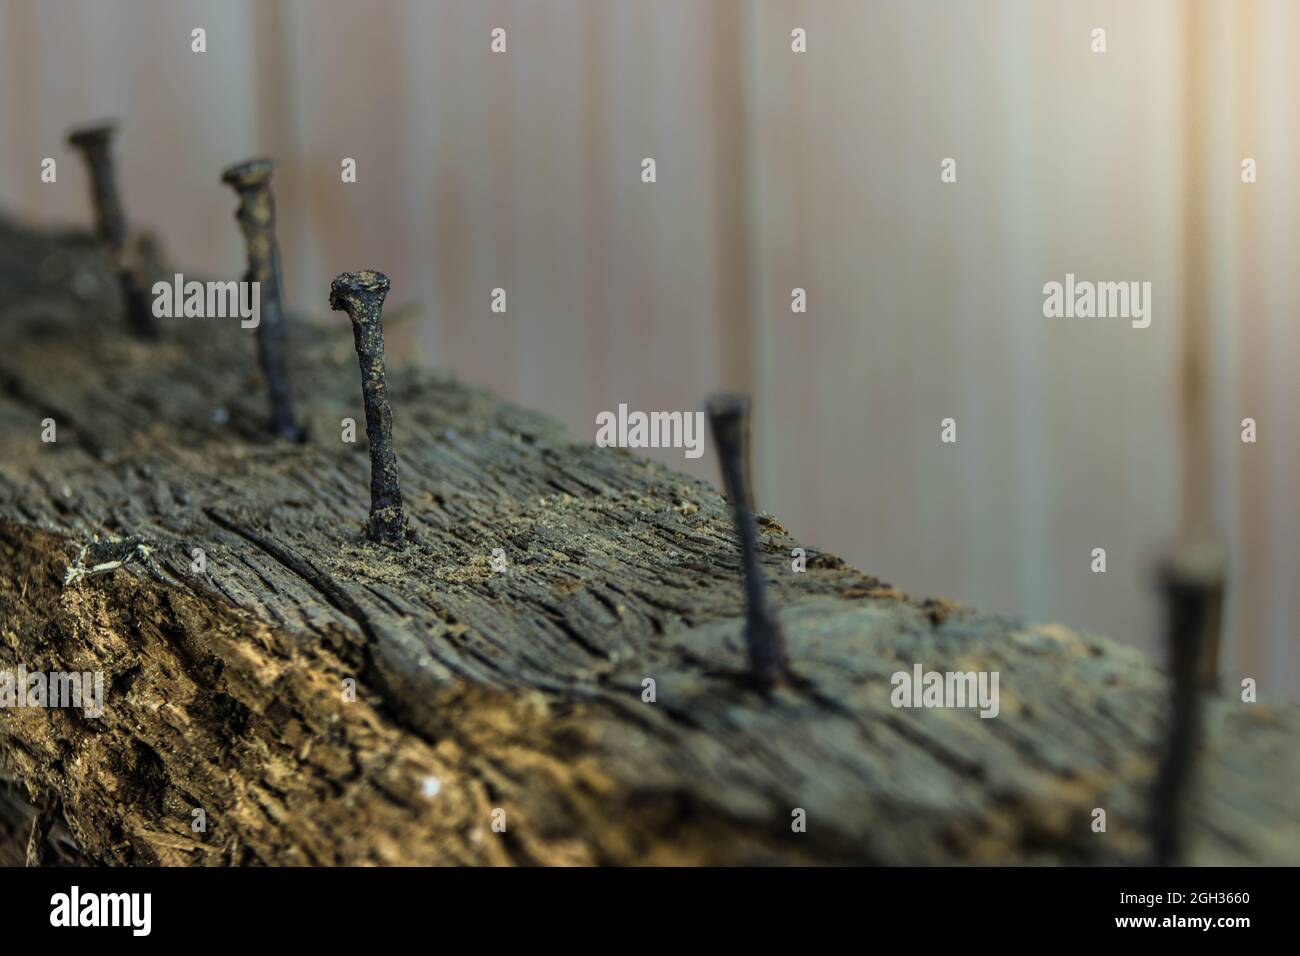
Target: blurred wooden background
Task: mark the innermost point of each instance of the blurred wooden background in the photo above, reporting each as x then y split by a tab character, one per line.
775	170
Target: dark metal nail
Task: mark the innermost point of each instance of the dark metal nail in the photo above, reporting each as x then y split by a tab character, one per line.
95	145
1191	580
361	295
256	217
729	422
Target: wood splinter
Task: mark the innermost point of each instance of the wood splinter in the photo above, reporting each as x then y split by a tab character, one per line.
729	423
361	295
39	835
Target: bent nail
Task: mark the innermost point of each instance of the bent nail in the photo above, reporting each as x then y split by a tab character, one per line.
95	145
256	217
1191	581
729	423
361	295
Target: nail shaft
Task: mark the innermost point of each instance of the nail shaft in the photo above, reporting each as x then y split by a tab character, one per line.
1191	581
729	423
256	217
95	145
361	295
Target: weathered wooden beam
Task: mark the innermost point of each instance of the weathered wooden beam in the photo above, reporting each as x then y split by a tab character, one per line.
520	691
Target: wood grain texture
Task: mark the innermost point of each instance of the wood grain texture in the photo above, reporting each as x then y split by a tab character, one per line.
520	171
519	691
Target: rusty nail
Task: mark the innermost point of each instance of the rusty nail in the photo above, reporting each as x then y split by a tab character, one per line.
1191	580
361	295
729	423
256	217
95	145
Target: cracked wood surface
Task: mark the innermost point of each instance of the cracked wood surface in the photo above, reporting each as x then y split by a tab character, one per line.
522	690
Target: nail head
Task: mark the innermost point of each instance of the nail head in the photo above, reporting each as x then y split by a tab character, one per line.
250	174
351	284
95	134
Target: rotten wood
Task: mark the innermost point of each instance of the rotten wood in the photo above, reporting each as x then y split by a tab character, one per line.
520	691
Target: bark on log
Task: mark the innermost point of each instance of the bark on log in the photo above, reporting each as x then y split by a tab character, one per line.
520	690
